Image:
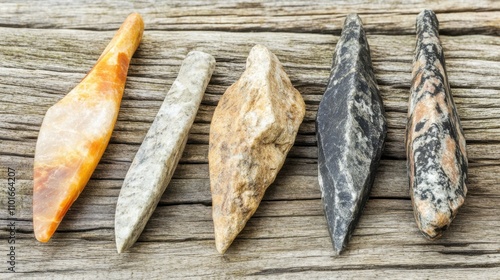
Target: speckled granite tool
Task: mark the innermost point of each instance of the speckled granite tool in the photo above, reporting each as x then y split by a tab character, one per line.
76	131
351	130
253	128
157	158
435	144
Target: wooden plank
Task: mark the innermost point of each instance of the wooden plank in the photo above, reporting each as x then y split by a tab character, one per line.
394	17
289	229
49	46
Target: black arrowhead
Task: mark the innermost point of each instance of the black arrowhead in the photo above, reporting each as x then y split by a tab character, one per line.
351	130
435	144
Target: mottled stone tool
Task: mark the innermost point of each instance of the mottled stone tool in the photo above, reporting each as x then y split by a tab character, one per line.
76	131
435	144
351	131
157	158
253	128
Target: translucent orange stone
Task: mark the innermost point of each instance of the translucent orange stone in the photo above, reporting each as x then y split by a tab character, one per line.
76	131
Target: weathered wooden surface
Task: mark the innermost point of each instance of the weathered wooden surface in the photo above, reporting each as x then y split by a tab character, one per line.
47	47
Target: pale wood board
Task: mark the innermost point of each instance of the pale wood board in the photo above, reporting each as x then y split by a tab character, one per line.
47	47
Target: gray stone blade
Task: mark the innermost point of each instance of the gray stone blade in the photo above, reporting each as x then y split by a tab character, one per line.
157	158
351	130
435	144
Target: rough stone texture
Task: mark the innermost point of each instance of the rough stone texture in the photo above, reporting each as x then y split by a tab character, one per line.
157	158
76	131
351	130
253	128
435	144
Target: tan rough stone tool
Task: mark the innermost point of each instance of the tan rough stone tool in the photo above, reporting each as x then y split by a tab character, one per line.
253	128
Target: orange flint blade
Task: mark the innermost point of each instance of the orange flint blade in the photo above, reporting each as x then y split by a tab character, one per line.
76	130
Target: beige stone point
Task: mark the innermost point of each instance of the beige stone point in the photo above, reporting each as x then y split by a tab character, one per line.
253	128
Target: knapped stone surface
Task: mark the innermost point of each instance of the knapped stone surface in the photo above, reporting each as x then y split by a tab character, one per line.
76	130
253	128
157	158
435	144
351	130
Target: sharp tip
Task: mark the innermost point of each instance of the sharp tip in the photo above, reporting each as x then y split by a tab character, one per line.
353	18
339	241
338	249
121	245
127	228
222	246
44	231
43	239
226	229
221	251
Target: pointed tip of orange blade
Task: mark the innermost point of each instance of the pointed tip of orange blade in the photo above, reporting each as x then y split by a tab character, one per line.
56	187
53	192
46	221
44	231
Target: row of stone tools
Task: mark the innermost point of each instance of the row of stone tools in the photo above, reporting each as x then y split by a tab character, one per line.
351	129
253	128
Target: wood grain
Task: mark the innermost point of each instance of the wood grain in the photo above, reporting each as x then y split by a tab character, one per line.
47	47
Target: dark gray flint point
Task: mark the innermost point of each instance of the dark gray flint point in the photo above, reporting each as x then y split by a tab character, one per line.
351	129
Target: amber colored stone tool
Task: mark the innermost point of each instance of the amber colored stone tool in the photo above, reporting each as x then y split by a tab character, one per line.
76	131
